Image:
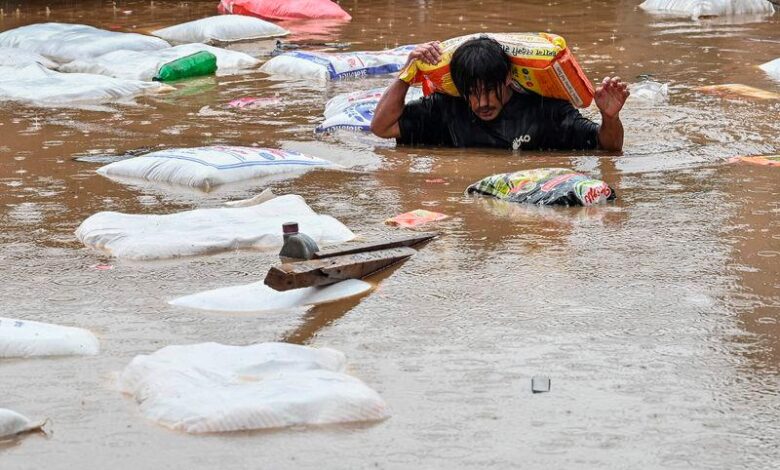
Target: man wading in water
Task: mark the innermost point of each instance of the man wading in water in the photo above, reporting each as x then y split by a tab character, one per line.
493	114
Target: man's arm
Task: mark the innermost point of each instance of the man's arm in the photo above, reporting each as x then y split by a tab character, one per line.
390	108
610	98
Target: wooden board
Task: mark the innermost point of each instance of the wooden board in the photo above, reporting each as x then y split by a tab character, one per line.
322	272
349	249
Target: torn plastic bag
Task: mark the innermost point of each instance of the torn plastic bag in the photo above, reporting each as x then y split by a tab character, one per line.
11	57
205	168
221	29
23	338
64	43
336	66
147	65
702	8
258	297
40	86
772	68
648	93
545	186
211	387
12	423
206	231
285	9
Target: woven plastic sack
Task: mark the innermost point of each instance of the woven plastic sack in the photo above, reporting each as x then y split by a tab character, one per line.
211	387
339	103
64	43
221	29
146	65
545	186
700	8
40	86
330	66
12	57
205	168
206	231
772	68
257	297
22	338
12	423
541	63
285	9
354	118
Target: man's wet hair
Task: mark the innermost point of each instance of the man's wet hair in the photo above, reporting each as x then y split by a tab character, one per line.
479	65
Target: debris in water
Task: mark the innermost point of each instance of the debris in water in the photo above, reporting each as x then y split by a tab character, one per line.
540	384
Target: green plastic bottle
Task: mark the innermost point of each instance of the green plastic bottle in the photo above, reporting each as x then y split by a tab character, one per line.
194	65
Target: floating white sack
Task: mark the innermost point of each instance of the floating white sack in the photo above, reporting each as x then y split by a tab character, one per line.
648	93
339	103
772	68
12	57
257	297
12	423
64	43
330	66
223	28
207	167
38	85
22	338
146	65
206	231
212	387
699	8
354	118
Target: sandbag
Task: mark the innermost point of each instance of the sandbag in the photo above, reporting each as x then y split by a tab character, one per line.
205	168
336	66
147	65
257	297
772	68
700	8
648	93
354	118
64	43
12	423
339	103
206	231
221	29
211	387
545	186
38	85
22	338
541	63
12	57
285	9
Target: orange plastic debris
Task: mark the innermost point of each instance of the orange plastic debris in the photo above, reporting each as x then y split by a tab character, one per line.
766	160
732	90
415	218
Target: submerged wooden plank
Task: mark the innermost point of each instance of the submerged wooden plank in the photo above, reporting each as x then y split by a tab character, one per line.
322	272
408	241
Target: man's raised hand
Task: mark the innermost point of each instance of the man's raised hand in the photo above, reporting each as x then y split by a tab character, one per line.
611	96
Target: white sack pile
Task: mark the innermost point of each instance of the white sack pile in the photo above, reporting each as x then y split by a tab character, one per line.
22	338
699	8
212	387
335	66
221	29
12	423
208	167
206	231
12	57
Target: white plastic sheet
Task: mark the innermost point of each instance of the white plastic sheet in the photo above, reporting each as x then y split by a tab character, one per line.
206	231
772	68
22	338
330	66
64	43
699	8
40	86
208	167
257	297
146	65
211	387
12	423
12	57
224	28
648	93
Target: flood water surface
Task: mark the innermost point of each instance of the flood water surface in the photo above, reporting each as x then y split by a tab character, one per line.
657	317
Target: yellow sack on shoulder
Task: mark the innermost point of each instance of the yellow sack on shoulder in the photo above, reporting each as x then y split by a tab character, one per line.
541	63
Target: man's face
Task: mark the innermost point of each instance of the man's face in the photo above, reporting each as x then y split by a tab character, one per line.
488	105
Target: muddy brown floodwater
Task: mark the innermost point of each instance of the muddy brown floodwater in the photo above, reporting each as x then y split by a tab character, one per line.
656	318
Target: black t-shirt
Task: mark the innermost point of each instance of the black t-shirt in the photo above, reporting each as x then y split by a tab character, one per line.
527	122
